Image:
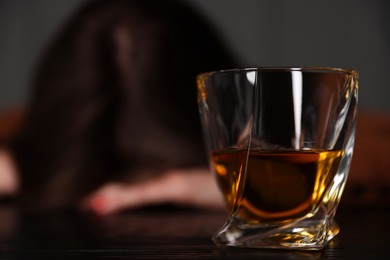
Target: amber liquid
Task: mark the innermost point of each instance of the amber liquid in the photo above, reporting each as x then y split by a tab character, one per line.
278	185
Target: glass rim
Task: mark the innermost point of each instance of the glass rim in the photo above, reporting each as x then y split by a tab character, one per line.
282	68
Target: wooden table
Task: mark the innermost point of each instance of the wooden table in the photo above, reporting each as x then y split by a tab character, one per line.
170	233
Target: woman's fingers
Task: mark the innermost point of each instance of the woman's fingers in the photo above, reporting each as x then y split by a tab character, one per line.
196	188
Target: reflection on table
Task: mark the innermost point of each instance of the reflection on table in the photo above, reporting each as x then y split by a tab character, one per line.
170	233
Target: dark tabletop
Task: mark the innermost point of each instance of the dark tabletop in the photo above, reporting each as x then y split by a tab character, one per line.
170	233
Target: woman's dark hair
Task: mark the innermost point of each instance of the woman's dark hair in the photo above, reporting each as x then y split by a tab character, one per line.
114	97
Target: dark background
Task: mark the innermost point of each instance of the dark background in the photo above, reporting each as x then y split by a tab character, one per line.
349	34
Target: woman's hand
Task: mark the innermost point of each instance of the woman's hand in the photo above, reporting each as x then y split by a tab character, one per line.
189	187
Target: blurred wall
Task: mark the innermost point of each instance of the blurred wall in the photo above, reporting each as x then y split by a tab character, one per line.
349	33
25	27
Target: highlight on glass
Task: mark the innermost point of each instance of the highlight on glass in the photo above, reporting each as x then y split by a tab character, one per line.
280	144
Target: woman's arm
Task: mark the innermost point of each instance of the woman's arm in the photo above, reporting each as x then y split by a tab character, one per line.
369	178
184	187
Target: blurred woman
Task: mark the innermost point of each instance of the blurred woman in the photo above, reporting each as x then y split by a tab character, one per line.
114	101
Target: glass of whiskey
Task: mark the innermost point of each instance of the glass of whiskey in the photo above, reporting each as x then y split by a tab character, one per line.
280	143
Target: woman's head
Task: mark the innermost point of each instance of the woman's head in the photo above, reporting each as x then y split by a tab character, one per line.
115	96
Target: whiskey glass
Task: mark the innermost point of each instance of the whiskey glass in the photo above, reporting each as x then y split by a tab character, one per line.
280	143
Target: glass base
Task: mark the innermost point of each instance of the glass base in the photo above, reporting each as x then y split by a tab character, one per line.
301	235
